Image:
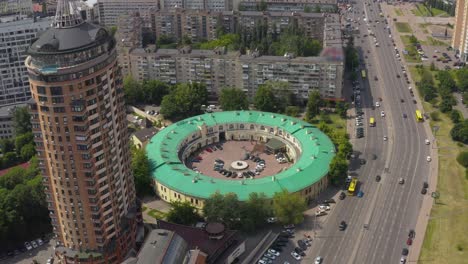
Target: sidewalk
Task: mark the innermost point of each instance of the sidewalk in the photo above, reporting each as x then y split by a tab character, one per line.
156	204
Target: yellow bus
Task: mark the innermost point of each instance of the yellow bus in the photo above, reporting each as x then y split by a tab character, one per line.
363	74
352	186
372	122
419	116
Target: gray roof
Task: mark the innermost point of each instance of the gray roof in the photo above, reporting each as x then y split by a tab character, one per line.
145	133
162	246
58	40
7	110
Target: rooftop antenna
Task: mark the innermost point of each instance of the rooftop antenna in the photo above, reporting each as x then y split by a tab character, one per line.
67	14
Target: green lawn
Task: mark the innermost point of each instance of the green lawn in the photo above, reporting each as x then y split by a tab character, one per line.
421	10
156	214
446	239
435	42
438	12
412	55
403	27
398	12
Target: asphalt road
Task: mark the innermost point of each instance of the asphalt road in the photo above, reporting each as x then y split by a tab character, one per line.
388	208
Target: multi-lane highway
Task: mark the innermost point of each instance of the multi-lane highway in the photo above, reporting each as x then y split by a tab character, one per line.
388	208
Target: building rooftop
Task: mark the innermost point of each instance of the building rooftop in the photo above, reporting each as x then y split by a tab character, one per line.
146	133
7	110
311	165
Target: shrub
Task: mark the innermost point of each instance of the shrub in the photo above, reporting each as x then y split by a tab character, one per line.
435	116
462	158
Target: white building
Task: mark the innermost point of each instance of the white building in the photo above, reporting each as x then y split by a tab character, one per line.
16	35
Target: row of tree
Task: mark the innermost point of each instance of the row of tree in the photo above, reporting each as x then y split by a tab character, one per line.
147	92
23	209
446	6
21	148
246	216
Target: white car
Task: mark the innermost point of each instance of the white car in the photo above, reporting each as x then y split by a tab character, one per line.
324	207
382	113
385	138
402	260
377	104
320	213
318	260
271	220
27	246
428	158
273	252
34	244
39	242
296	256
270	256
427	141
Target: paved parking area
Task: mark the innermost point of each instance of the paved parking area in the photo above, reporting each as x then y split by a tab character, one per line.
40	254
233	151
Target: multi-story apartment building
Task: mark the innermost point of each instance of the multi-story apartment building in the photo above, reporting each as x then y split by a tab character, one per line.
129	36
108	11
213	5
80	131
218	69
178	23
215	68
460	36
288	5
6	120
8	7
201	25
16	35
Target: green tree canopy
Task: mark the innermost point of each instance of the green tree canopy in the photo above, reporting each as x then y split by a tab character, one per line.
462	77
21	120
154	91
22	140
273	97
255	211
233	99
292	110
7	145
132	90
264	99
313	105
289	207
223	208
184	101
183	213
141	168
446	82
459	132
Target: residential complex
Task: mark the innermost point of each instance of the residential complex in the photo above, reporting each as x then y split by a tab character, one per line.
202	24
129	35
6	120
460	36
16	35
108	11
288	5
80	131
8	7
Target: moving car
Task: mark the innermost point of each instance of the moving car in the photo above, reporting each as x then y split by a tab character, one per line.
377	178
385	138
342	226
318	260
382	113
427	142
405	252
428	158
401	181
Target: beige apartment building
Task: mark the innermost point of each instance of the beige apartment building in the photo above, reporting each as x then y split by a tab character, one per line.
460	36
129	35
80	131
201	25
218	69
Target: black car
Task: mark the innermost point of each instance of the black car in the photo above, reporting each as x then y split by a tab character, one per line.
423	191
219	147
329	201
342	226
282	239
405	252
411	233
279	249
342	196
374	157
414	102
279	244
425	185
302	244
377	178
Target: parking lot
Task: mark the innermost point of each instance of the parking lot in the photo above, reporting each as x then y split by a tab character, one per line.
40	254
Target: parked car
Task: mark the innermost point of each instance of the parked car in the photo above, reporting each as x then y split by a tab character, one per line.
425	185
411	233
360	194
405	252
271	220
329	201
273	252
324	207
28	245
34	244
289	226
342	226
296	256
342	196
318	260
423	191
401	181
378	178
409	241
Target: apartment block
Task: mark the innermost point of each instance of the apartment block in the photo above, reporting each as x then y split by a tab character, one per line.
201	25
6	120
219	68
9	7
214	5
16	35
129	36
109	10
214	68
288	5
460	36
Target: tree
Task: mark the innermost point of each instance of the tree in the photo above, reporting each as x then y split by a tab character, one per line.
9	159
21	120
183	213
462	158
264	99
341	109
446	82
153	91
6	145
223	208
459	132
292	111
184	101
141	168
132	90
254	211
22	140
27	151
289	207
213	207
456	116
113	30
313	105
445	106
233	99
338	169
462	77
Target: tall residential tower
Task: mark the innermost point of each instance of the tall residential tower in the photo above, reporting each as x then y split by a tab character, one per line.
80	130
460	37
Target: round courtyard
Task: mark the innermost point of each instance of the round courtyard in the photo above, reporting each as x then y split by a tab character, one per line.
239	152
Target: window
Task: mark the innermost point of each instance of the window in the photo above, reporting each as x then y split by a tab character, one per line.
241	126
262	128
271	130
252	127
41	90
231	126
220	128
56	90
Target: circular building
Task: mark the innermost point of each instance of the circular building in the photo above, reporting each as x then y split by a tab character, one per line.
239	152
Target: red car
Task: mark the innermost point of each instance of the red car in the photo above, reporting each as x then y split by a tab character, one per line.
409	242
209	150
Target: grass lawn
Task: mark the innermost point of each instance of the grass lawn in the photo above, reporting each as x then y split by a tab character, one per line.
438	12
421	10
412	55
334	121
435	42
446	240
403	27
143	208
398	12
156	214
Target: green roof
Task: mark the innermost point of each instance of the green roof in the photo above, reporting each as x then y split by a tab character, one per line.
311	165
